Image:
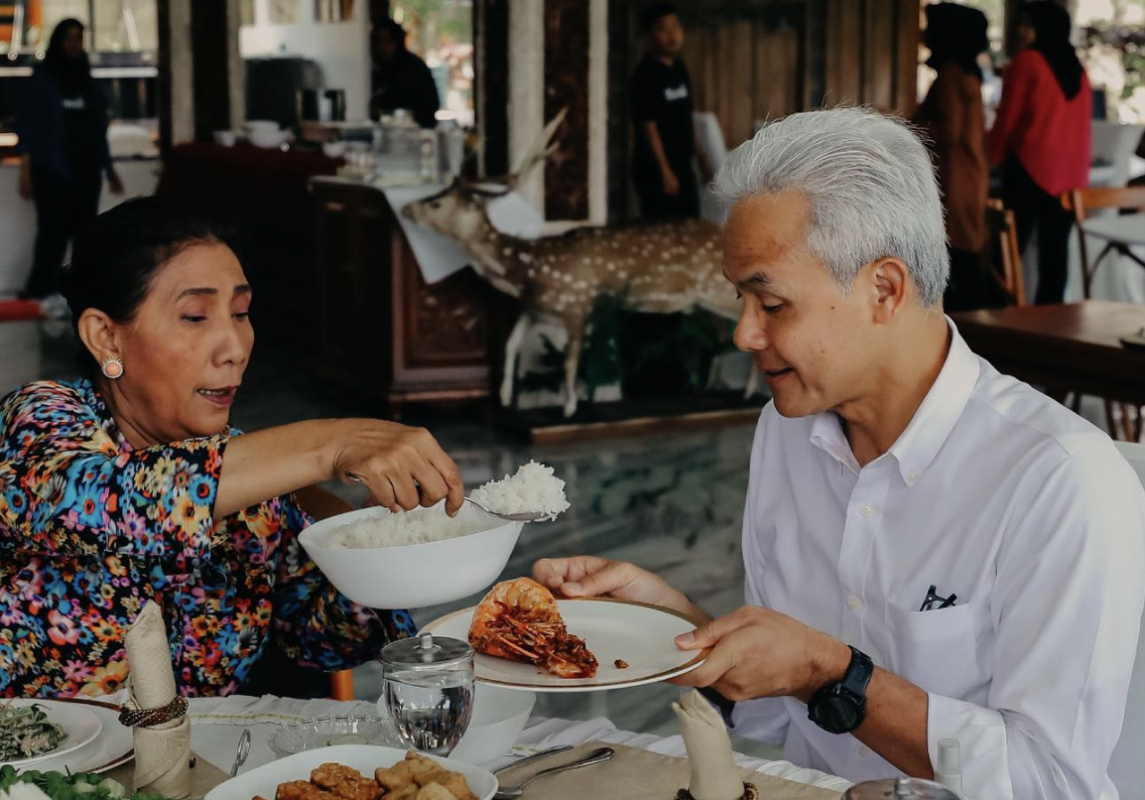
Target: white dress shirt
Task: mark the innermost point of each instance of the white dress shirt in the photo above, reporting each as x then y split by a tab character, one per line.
999	495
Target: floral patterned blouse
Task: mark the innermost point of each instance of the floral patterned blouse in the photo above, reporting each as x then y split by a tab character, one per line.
90	529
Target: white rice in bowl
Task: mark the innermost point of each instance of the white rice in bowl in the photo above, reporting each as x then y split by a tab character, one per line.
420	526
534	489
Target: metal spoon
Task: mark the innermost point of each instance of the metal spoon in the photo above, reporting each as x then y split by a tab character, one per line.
244	751
527	516
520	762
595	757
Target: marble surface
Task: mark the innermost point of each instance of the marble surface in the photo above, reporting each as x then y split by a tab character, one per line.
672	504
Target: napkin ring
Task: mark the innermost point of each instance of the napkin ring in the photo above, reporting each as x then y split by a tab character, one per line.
150	717
750	792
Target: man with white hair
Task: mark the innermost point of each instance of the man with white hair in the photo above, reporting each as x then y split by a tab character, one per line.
933	550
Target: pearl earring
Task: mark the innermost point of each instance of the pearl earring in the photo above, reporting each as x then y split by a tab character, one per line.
112	368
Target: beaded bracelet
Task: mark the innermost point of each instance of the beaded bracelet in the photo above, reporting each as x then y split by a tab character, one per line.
150	717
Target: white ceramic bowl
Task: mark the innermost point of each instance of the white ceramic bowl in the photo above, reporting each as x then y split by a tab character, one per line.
267	139
499	716
260	125
414	575
225	138
334	149
264	781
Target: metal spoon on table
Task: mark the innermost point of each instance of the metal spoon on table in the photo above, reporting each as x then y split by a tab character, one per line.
244	751
598	756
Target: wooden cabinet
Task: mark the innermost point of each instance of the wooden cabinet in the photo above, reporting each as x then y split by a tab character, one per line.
382	331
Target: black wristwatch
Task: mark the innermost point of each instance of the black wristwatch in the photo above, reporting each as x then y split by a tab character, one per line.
840	707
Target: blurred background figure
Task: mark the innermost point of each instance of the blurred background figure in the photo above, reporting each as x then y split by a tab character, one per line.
661	97
1042	138
402	80
955	121
62	126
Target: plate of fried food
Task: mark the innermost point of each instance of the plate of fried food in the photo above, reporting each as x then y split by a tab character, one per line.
359	772
527	639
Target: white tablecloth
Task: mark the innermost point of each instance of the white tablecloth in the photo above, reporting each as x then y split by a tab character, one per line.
217	723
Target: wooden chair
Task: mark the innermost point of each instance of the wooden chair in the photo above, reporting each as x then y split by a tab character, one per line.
1081	203
1005	260
1127	422
342	685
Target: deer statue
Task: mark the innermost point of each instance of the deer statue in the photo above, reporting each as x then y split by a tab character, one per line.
658	268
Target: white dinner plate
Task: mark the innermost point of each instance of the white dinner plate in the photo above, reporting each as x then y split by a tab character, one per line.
113	746
640	635
264	781
79	724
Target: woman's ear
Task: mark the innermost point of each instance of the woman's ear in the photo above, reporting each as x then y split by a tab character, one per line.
99	334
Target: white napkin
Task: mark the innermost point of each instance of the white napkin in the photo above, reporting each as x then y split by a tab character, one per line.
163	752
715	775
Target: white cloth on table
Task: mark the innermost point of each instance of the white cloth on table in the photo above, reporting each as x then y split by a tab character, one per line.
994	493
217	723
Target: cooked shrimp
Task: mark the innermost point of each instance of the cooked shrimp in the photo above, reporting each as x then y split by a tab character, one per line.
520	620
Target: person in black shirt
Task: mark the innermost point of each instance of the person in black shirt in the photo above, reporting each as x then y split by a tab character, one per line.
62	127
401	79
661	94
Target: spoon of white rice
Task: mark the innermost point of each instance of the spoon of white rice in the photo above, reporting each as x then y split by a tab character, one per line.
533	494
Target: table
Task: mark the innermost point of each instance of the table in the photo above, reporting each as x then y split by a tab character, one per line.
217	723
1074	347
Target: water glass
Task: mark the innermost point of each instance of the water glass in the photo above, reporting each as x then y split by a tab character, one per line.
427	691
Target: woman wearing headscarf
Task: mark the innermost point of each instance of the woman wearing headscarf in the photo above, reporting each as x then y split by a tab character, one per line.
62	125
955	121
1042	138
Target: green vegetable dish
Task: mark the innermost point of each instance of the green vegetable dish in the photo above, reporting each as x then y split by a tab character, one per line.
26	733
33	785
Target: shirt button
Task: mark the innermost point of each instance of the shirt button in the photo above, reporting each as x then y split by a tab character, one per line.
855	603
864	751
912	477
865	511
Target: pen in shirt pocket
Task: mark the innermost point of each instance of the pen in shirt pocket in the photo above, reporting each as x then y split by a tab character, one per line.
935	601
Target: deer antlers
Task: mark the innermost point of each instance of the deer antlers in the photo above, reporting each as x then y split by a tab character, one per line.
536	155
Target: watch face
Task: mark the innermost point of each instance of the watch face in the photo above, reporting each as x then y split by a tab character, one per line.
838	714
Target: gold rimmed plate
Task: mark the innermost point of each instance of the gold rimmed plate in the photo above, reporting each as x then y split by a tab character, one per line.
638	635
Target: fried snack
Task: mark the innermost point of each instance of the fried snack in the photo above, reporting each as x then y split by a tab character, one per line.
457	785
395	777
406	792
302	790
344	782
434	791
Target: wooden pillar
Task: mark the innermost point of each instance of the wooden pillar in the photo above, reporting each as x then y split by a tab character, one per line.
566	89
201	75
491	39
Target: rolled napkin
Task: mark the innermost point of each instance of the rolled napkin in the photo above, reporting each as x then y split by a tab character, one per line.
715	775
162	750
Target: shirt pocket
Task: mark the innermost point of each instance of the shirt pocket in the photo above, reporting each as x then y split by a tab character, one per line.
945	651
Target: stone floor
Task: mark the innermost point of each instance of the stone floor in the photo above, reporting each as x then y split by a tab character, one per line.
672	504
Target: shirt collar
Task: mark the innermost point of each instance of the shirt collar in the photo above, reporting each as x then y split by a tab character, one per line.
931	425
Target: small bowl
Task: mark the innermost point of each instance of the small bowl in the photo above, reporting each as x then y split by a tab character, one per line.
310	734
226	138
268	125
334	149
268	140
499	716
414	575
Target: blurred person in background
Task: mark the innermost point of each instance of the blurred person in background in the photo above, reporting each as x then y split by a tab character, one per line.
1042	138
62	126
954	119
401	79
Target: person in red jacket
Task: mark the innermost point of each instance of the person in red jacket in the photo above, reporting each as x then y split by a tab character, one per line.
1042	138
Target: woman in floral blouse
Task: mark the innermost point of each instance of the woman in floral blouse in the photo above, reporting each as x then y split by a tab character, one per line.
131	487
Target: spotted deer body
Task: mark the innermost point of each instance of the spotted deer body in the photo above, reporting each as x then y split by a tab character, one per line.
658	268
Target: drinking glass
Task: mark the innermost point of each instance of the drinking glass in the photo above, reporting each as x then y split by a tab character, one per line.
427	691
